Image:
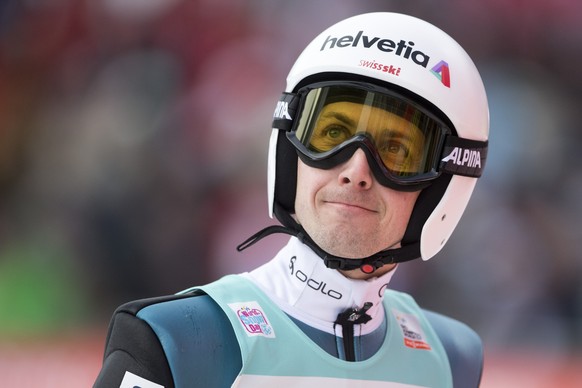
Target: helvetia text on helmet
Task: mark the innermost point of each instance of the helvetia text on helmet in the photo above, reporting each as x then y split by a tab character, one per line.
400	49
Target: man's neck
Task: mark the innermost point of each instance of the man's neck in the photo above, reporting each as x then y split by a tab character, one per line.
298	281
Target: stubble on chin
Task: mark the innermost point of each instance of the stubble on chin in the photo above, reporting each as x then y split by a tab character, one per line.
343	241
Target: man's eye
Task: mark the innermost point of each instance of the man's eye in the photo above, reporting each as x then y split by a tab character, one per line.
395	149
400	149
337	133
329	137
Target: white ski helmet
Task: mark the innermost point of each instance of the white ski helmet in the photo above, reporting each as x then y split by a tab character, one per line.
425	67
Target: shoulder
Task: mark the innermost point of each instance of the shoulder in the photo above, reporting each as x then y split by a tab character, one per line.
166	311
167	340
132	346
463	346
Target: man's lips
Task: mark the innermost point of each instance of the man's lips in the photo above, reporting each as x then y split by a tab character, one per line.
350	205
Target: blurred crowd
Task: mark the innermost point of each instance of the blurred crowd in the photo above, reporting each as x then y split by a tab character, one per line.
133	141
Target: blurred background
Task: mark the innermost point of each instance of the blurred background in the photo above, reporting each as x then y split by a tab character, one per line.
133	140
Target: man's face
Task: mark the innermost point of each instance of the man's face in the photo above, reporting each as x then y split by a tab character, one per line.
344	209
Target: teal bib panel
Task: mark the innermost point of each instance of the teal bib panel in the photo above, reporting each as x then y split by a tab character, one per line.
275	352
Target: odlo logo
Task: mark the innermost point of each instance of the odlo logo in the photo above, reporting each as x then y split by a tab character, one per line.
315	285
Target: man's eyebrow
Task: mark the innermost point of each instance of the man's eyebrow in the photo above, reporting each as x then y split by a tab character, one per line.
392	132
397	134
341	117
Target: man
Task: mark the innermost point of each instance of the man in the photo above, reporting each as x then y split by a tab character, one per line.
376	146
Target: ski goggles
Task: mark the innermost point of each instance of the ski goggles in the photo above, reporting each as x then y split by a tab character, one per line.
405	144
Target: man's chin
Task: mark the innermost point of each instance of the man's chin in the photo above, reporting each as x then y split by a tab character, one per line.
349	251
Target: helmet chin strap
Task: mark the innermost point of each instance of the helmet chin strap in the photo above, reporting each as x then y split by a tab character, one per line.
367	265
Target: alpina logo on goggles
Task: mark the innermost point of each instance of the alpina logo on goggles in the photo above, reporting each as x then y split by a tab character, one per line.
406	146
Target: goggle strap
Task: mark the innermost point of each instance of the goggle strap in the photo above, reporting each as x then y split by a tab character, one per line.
285	111
463	157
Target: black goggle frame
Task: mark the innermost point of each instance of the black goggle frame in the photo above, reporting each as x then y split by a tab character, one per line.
457	156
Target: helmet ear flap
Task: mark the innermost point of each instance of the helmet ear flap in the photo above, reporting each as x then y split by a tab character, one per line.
286	175
426	202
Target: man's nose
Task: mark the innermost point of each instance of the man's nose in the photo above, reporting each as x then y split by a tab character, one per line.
356	171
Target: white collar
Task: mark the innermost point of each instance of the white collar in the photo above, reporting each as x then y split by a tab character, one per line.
298	281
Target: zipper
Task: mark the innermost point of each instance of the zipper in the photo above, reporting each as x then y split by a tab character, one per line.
347	320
